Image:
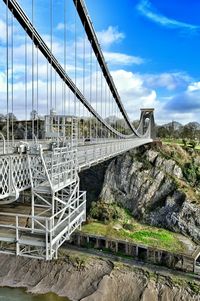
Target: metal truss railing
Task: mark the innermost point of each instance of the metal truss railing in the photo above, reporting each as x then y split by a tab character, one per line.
14	175
53	169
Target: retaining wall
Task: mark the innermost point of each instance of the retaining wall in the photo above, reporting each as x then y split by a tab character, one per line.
184	262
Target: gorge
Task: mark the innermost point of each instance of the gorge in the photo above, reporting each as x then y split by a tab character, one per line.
159	186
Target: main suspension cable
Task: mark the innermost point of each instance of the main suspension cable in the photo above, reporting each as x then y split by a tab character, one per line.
12	83
33	63
26	83
7	74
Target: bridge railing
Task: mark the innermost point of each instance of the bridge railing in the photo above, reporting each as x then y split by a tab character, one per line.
14	174
61	165
89	155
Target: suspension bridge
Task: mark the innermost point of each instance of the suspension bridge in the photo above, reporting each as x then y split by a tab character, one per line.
60	113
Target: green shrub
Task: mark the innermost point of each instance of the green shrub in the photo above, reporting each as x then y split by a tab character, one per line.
191	172
194	287
129	227
104	211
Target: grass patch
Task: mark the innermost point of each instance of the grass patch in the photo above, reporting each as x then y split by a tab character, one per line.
146	235
96	228
173	141
179	142
157	237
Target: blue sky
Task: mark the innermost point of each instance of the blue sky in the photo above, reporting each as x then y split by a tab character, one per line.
166	36
151	46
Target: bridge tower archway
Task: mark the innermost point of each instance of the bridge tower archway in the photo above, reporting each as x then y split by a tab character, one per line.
147	123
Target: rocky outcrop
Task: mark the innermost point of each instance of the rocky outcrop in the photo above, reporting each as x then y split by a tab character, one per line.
91	180
96	279
64	277
154	188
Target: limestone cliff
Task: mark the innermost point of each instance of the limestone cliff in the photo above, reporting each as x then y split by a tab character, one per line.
159	185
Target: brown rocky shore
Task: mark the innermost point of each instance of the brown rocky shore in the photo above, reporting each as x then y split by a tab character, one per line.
87	278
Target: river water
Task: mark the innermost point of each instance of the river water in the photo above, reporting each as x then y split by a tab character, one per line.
18	294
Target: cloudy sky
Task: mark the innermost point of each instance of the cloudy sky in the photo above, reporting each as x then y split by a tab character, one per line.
153	49
151	46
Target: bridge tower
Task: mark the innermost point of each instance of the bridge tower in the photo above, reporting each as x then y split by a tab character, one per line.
147	123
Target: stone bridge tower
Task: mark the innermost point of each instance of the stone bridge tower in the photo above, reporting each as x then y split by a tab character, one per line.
147	120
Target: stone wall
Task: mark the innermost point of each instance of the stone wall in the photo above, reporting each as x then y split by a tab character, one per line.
186	263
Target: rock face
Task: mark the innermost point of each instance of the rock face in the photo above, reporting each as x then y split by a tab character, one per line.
96	279
153	187
91	180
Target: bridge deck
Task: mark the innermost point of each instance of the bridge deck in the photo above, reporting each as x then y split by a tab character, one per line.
87	155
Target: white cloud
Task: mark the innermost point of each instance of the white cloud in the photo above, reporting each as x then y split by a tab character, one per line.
168	80
60	26
17	32
2	31
2	82
145	8
109	36
194	87
116	58
183	106
134	93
